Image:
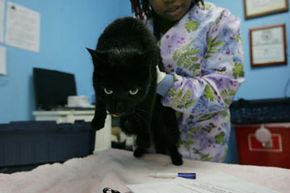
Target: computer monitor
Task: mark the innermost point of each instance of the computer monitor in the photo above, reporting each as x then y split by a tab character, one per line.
52	88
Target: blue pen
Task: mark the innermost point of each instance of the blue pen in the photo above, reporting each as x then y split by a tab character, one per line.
188	175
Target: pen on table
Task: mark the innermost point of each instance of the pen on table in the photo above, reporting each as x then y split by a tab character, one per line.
188	175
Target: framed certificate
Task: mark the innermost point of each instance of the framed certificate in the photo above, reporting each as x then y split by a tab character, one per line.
257	8
268	46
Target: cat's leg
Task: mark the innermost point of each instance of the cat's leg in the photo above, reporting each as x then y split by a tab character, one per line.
142	143
100	115
172	140
175	156
131	125
166	142
171	134
143	115
158	136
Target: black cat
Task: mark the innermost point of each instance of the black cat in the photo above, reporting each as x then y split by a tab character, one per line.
124	80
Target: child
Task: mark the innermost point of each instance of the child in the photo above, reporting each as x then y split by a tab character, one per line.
202	54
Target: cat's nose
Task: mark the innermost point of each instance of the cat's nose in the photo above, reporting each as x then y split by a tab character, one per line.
116	109
115	113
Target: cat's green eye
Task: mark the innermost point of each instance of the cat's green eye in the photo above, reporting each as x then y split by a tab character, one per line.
133	91
108	91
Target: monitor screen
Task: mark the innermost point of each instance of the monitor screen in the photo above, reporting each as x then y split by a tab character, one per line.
52	88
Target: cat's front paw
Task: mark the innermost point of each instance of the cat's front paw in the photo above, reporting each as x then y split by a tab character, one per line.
177	160
176	157
138	152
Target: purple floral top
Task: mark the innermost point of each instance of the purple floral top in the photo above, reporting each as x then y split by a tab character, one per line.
203	53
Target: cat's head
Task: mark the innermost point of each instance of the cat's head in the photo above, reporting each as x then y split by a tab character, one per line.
123	78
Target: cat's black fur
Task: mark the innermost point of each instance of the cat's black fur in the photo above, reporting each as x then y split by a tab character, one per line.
124	80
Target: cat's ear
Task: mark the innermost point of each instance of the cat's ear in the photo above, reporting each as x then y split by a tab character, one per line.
91	51
98	57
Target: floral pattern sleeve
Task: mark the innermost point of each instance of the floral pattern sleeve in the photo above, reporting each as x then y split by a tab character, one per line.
207	63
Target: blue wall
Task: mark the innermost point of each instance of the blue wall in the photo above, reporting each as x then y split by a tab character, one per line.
67	28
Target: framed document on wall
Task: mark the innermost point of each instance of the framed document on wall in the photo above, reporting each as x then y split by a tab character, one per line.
268	46
257	8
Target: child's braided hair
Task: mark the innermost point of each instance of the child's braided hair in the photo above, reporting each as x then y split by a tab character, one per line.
142	9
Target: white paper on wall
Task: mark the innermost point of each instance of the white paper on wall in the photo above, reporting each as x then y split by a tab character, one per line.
22	27
2	60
